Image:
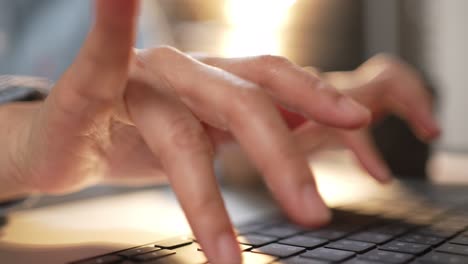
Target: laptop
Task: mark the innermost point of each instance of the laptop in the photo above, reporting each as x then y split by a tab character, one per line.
409	221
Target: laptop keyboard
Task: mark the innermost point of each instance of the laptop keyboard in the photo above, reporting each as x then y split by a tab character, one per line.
385	233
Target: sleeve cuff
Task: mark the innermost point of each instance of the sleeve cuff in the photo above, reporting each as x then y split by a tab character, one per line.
23	88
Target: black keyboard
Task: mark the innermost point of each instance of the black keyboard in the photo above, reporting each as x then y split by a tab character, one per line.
379	233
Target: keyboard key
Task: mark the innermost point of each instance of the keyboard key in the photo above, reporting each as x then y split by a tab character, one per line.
454	249
174	242
187	254
371	237
279	250
109	259
254	258
330	234
260	224
421	239
137	251
381	256
304	241
249	228
462	240
241	246
405	247
442	258
328	254
154	255
350	245
245	247
280	231
256	240
300	260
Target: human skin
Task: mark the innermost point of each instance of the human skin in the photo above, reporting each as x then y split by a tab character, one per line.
120	114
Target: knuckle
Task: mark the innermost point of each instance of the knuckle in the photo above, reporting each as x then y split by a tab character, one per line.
95	79
161	52
273	62
187	134
111	70
269	69
246	102
291	153
96	59
103	94
386	58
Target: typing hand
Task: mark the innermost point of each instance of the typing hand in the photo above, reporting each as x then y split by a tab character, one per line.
384	84
120	114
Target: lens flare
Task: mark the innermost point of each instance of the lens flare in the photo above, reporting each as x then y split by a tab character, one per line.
255	26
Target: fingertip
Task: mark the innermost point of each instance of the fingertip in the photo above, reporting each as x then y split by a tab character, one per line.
435	130
387	180
217	238
377	168
117	7
223	248
338	110
314	212
368	155
108	49
115	20
228	250
428	131
383	176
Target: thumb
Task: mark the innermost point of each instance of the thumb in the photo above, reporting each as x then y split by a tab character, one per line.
99	73
110	42
60	142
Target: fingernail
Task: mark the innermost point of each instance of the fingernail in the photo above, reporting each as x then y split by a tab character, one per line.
353	110
316	210
428	131
228	250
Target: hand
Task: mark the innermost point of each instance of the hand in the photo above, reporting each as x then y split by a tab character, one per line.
384	84
119	113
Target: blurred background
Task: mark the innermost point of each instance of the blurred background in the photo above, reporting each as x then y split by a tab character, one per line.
335	35
41	37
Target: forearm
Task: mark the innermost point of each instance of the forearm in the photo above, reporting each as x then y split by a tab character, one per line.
14	118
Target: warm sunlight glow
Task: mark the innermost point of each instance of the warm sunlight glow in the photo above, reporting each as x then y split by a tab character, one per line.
255	26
